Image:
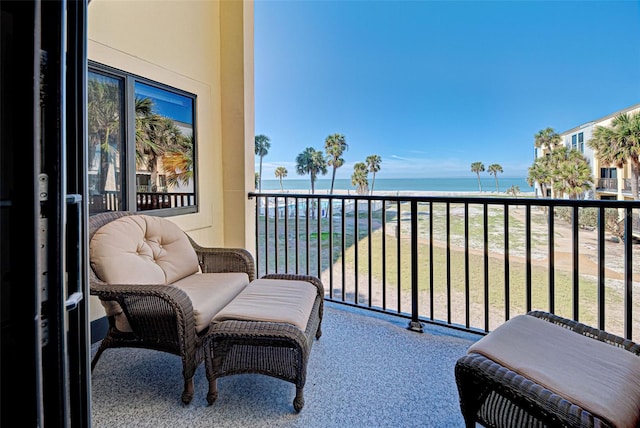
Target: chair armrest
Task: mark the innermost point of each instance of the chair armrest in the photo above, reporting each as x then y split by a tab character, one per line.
151	308
216	260
588	331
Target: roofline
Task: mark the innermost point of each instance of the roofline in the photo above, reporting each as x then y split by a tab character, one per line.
584	125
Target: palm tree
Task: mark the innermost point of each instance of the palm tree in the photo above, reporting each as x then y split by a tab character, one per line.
281	172
373	162
478	167
177	162
156	135
540	172
494	169
262	149
312	162
103	112
335	145
620	144
571	171
359	177
547	139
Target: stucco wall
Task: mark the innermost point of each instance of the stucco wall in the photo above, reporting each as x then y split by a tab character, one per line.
205	48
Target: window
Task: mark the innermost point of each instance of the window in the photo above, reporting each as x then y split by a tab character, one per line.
608	173
581	142
574	145
141	144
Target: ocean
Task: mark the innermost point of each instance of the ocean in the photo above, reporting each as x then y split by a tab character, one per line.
464	184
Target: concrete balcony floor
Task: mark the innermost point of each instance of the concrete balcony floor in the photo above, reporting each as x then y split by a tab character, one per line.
367	370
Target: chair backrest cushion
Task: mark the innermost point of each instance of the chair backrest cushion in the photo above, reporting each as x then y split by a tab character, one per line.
142	249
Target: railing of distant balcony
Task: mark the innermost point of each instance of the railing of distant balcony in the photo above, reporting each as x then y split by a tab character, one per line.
447	260
110	201
611	184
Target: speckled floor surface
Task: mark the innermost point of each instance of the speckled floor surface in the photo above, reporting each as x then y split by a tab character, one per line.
367	370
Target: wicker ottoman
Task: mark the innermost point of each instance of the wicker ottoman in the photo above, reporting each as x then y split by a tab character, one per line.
542	370
258	333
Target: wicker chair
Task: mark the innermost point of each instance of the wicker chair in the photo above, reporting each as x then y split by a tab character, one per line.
161	316
495	396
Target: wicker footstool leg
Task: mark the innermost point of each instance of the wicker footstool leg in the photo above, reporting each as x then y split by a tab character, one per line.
187	394
298	402
212	395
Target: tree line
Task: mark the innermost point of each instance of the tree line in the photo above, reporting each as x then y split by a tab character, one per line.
315	162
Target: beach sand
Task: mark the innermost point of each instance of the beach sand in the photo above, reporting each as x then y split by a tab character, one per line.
425	193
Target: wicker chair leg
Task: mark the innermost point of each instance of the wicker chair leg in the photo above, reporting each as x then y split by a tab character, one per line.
319	332
471	394
298	402
187	394
96	357
212	395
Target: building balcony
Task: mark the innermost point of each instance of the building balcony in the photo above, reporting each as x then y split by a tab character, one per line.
610	185
410	284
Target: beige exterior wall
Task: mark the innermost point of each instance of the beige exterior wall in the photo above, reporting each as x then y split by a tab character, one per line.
205	48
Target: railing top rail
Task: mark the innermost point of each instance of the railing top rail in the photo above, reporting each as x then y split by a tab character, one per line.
490	200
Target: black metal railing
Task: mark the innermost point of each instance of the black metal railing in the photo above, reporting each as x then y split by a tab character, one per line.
610	184
465	262
111	201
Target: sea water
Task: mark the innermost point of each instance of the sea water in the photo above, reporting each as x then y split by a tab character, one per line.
462	184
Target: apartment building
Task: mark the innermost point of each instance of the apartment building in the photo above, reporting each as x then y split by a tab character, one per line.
610	182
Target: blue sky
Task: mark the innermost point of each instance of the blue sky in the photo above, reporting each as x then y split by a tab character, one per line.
432	86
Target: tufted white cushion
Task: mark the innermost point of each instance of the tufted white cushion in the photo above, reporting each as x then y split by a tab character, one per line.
141	249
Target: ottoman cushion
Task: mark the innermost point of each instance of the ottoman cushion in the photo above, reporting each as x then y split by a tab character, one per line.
603	379
272	300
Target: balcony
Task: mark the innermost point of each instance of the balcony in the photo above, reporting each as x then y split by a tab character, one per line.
611	185
410	283
366	370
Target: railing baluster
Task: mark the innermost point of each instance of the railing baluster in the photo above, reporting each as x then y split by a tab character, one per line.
485	221
356	234
507	301
297	240
257	221
384	255
319	241
330	267
398	252
527	274
431	287
266	234
447	219
307	233
276	237
370	236
576	260
552	252
286	234
467	315
344	250
628	273
601	266
414	324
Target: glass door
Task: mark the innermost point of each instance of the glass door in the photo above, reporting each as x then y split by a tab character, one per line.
44	342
